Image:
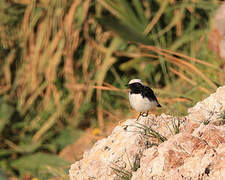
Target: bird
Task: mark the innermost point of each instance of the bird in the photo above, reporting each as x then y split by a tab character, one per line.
141	97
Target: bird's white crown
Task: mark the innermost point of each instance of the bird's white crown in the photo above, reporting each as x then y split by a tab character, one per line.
135	81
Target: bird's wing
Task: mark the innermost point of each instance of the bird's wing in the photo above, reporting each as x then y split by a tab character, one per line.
148	93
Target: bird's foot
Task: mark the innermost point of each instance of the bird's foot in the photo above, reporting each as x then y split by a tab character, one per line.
144	114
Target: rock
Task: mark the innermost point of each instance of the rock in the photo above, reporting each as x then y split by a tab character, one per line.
161	147
216	37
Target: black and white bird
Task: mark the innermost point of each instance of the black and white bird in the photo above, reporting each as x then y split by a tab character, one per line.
142	98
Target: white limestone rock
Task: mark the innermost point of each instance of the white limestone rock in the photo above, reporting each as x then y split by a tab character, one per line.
196	152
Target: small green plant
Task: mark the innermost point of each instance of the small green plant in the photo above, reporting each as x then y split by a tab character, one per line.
176	125
122	173
127	174
211	113
136	164
222	117
149	131
206	122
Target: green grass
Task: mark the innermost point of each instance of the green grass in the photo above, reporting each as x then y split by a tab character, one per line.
222	117
64	66
124	174
149	132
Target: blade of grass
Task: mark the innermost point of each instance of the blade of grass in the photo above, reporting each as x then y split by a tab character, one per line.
156	17
181	62
181	75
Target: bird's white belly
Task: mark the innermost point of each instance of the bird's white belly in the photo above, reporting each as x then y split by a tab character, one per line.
141	104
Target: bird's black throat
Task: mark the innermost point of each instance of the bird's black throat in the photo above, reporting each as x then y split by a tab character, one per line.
136	88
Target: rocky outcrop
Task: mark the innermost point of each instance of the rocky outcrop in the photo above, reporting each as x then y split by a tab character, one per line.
162	147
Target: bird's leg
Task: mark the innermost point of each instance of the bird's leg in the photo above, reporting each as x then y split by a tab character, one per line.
139	116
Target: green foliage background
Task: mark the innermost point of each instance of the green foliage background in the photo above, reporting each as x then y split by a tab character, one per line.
64	66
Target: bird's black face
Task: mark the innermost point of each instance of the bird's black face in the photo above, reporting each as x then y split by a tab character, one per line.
135	87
